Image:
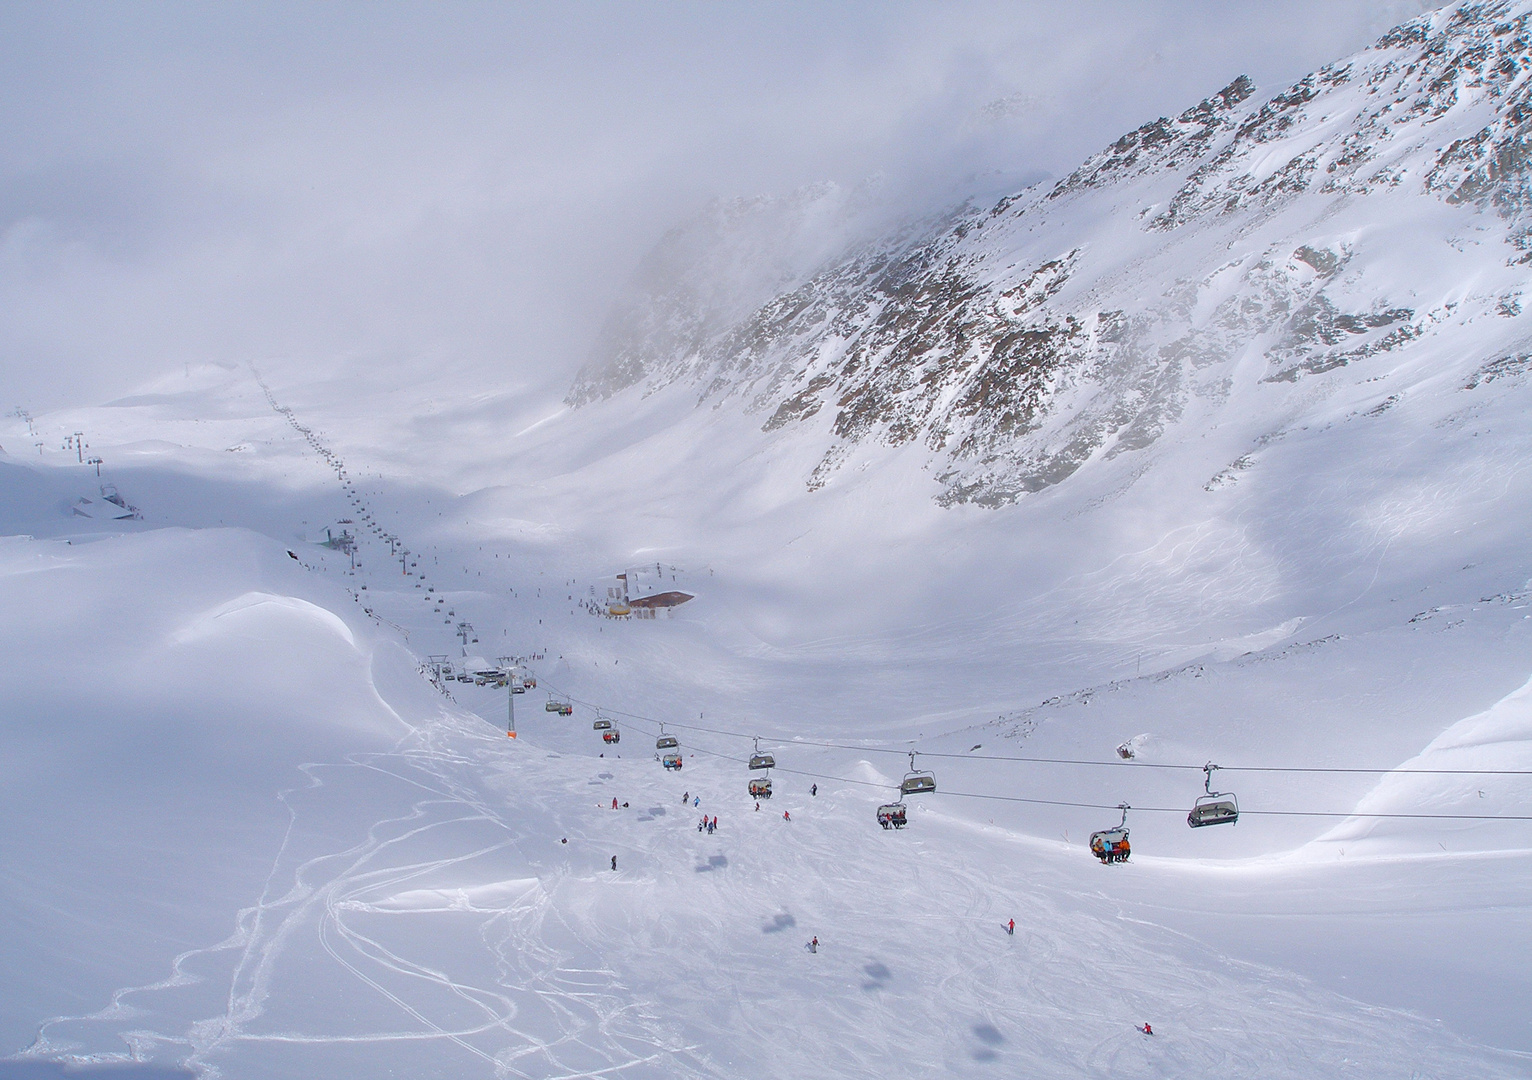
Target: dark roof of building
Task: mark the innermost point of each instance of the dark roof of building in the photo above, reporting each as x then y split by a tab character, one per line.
664	599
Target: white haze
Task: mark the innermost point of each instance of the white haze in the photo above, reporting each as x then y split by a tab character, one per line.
419	188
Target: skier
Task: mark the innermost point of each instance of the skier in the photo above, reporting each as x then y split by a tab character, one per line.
715	823
1146	1029
786	816
686	797
614	862
757	808
697	801
614	804
813	945
813	789
1010	927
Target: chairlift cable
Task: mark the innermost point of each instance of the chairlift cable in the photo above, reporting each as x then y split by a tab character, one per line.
1318	769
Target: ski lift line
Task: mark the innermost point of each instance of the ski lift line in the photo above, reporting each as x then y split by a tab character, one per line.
1181	810
1224	768
1264	813
1060	761
1341	814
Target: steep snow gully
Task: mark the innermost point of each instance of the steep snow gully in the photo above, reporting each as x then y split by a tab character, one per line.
1271	516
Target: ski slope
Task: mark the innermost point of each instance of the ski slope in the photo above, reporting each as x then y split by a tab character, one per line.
249	839
250	834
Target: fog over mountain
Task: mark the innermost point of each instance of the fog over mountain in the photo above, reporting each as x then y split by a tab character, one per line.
771	541
420	185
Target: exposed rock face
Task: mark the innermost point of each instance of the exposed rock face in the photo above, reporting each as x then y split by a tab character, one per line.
1293	237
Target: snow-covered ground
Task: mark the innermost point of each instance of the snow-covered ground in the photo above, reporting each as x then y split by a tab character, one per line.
246	836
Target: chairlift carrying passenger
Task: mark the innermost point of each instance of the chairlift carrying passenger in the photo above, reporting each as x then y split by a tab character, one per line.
611	736
671	761
760	787
893	815
1111	845
1214	808
917	781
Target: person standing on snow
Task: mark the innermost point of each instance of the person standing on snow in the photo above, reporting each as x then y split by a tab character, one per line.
715	821
813	789
813	945
1010	927
686	797
614	804
614	862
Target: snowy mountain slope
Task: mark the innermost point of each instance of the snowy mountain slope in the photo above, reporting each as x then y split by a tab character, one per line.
1244	247
406	903
244	835
1360	652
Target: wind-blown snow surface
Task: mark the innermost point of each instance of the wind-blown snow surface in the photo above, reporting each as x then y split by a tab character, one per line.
245	836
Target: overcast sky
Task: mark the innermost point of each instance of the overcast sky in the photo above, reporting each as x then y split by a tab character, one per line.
470	184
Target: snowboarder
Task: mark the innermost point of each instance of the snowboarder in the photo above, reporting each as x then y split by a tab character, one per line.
614	862
1010	927
1146	1029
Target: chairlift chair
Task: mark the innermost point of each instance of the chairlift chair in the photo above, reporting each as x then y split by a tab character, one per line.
671	760
760	787
759	760
1214	808
917	781
551	706
611	736
1111	845
893	815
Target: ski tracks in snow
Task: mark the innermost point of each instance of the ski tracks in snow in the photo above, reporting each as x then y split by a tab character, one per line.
426	891
244	1006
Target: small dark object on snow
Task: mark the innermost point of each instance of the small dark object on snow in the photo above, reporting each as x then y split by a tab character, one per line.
614	862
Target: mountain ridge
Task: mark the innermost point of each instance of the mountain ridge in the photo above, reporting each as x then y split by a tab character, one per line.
1080	321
